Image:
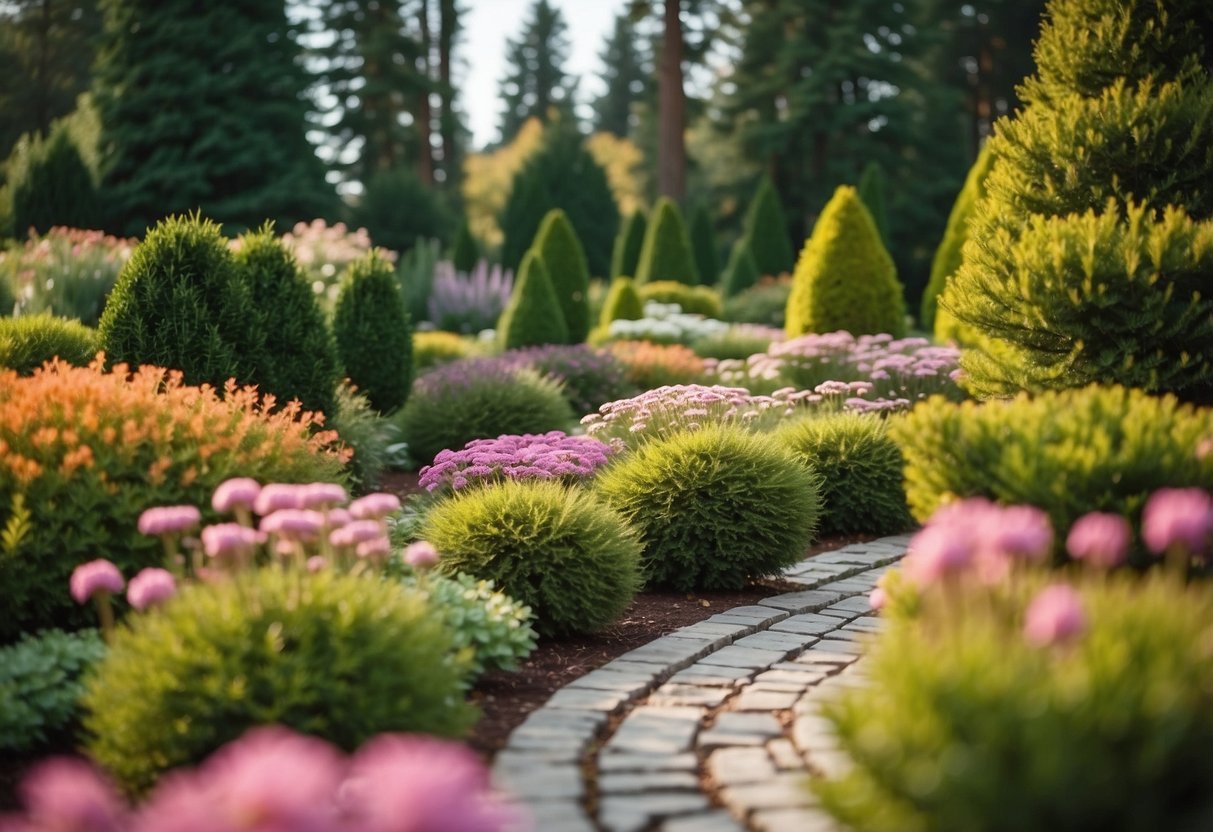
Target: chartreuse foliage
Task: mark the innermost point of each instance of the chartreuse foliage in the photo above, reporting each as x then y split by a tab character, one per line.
625	256
741	272
697	300
666	253
434	347
714	506
1068	452
622	302
1118	121
958	712
845	279
860	468
40	681
533	315
564	258
558	550
703	244
341	657
767	230
373	333
26	343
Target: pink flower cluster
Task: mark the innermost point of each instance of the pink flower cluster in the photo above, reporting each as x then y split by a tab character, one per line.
273	780
541	456
101	578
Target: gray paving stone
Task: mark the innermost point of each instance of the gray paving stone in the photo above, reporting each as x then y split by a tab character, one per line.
829	762
708	696
698	674
785	755
622	761
843	634
842	616
812	624
793	820
712	629
733	766
800	678
768	640
555	781
556	816
817	654
858	604
811	731
671	651
756	699
714	821
631	782
750	657
849	586
656	730
801	602
867	624
744	729
759	610
786	790
659	671
586	699
634	812
628	683
839	646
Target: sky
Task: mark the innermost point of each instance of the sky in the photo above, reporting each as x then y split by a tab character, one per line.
487	26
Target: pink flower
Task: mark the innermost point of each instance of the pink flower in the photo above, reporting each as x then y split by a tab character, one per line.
878	599
315	563
240	492
277	496
378	547
1100	539
151	587
95	576
1055	616
1181	517
229	539
322	495
936	552
358	531
69	795
338	517
295	523
421	555
374	506
169	519
1023	532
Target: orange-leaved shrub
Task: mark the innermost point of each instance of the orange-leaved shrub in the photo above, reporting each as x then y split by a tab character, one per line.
652	365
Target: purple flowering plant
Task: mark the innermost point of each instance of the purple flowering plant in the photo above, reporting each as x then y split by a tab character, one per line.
469	303
591	377
546	456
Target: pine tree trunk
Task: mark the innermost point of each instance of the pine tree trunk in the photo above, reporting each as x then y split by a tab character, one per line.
671	150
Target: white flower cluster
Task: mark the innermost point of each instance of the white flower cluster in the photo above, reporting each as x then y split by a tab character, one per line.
666	323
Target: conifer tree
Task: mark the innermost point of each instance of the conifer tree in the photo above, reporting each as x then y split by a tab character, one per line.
564	261
533	316
703	244
624	77
623	302
666	254
741	272
373	333
537	81
767	230
625	255
52	186
871	191
464	252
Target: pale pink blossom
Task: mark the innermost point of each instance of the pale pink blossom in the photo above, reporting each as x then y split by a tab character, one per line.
95	576
278	496
239	492
1178	517
1055	616
168	520
1100	539
421	555
374	506
150	587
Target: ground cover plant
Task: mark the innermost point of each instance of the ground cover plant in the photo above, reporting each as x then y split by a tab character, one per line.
40	681
28	342
589	377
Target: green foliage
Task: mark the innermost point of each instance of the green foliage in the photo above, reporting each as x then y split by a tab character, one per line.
625	255
622	303
666	254
871	191
741	272
301	356
415	274
736	342
1068	452
7	299
28	342
767	230
766	302
40	681
340	657
959	713
465	253
366	433
703	244
181	302
845	279
373	332
860	468
564	260
434	347
556	549
533	315
714	507
695	300
49	184
537	81
398	208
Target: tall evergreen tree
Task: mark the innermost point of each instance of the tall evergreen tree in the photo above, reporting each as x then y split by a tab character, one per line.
234	142
767	231
537	81
625	76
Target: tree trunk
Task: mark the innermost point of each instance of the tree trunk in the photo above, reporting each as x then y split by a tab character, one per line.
671	149
425	150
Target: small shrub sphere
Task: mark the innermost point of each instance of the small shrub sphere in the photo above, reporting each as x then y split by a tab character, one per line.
714	507
28	342
374	336
557	549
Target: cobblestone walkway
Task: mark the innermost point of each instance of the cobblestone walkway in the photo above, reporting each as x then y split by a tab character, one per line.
731	701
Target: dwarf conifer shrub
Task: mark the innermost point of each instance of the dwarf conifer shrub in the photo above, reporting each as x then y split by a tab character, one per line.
373	333
559	550
741	272
767	230
845	279
623	302
860	468
666	254
26	343
533	316
703	244
694	300
465	253
180	302
714	507
51	185
625	256
563	257
336	656
40	680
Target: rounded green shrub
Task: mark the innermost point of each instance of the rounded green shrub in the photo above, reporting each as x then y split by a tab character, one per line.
302	356
564	259
766	302
860	468
180	302
666	253
336	656
695	300
434	347
625	256
622	302
40	681
767	230
26	343
373	333
398	208
465	253
532	316
714	507
557	549
741	272
703	244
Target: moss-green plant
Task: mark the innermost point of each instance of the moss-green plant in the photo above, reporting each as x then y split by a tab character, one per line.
365	433
40	681
8	298
703	244
564	258
26	343
465	253
696	300
737	342
845	279
302	358
533	315
871	191
741	272
766	302
434	347
336	656
860	468
622	302
767	230
180	302
625	256
1068	452
714	507
556	549
373	333
666	253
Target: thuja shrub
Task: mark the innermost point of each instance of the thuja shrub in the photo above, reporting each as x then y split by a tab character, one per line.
694	300
564	258
341	657
589	377
533	315
657	365
558	550
622	302
28	342
666	254
83	452
374	336
741	272
41	677
625	255
766	227
714	507
860	468
549	456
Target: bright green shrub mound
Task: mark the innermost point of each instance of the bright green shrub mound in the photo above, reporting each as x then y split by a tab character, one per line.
696	300
741	272
703	244
622	302
302	358
40	681
845	279
335	656
860	468
1068	452
625	255
666	254
437	347
714	507
533	315
373	333
766	228
28	342
564	259
558	550
180	302
962	724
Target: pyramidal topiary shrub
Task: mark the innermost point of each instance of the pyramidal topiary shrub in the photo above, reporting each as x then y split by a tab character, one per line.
741	272
666	253
533	316
557	549
845	279
464	251
180	302
301	354
373	333
714	507
871	191
622	302
564	259
767	230
703	244
51	185
28	342
625	256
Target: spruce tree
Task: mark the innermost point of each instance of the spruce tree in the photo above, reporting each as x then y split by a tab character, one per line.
703	244
397	208
465	254
537	81
373	333
625	255
666	254
623	75
871	191
564	261
767	230
533	316
741	272
52	186
622	302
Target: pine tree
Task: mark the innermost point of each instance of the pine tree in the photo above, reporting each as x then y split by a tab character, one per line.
533	316
564	261
767	231
871	191
464	251
52	186
373	332
625	79
398	207
666	254
741	272
537	80
703	244
625	255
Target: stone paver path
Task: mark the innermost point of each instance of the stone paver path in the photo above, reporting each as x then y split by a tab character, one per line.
731	701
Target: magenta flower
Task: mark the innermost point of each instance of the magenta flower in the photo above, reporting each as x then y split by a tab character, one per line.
169	520
239	492
1178	517
295	523
1055	616
278	496
150	587
1100	539
95	576
550	455
374	506
421	555
229	539
322	495
68	795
